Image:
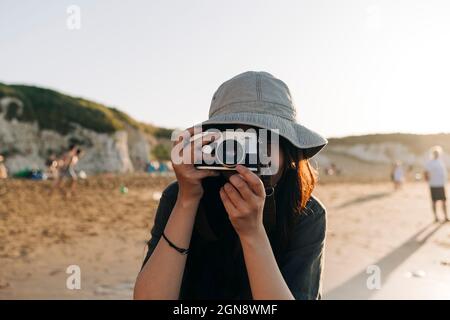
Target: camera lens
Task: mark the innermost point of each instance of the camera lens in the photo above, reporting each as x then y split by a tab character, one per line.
230	153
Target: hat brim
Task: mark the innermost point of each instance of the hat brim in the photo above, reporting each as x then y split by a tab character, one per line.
300	136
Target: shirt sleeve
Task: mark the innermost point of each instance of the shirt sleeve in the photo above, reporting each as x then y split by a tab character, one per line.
303	263
166	204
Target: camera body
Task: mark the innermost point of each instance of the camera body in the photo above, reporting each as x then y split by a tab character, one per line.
230	148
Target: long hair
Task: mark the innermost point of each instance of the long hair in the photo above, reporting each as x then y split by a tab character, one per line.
293	191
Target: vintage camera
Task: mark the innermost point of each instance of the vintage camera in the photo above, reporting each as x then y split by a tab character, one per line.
230	148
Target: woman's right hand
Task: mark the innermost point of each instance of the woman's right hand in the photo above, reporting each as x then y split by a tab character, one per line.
188	176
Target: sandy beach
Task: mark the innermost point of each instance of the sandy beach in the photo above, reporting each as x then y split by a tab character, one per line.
104	232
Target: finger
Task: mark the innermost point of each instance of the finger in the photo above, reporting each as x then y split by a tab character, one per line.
177	154
182	146
252	179
188	135
234	195
186	143
201	174
200	140
197	132
183	136
241	185
190	130
229	207
210	137
197	147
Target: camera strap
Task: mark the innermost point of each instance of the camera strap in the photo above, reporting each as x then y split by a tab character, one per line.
269	212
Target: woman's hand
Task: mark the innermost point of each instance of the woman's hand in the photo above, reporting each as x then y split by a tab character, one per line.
243	198
189	178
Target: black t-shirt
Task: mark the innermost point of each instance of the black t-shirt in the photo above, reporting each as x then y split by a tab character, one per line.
216	270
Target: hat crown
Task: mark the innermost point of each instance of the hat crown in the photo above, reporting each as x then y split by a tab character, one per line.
253	92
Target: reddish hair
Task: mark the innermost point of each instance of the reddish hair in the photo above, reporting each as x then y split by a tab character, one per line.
299	178
293	192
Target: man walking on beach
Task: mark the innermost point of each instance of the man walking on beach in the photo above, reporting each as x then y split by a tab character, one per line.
436	175
398	175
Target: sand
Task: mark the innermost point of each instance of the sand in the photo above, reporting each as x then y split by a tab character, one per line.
103	231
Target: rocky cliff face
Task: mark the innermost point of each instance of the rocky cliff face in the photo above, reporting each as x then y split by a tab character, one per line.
370	160
380	153
27	146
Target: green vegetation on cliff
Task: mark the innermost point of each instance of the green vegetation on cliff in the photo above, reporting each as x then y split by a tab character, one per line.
56	111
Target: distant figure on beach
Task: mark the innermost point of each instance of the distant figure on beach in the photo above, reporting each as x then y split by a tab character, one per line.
52	171
66	170
332	170
436	175
398	175
3	171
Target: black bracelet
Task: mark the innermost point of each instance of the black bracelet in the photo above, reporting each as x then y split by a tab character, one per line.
180	250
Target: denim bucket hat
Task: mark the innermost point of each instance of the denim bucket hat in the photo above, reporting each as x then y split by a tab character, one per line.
261	100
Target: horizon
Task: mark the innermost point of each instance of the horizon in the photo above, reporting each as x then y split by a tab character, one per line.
387	71
175	128
157	125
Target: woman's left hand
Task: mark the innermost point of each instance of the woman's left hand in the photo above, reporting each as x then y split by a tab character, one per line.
243	197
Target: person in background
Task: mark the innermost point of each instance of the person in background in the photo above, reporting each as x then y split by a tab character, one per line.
436	175
398	175
3	170
66	169
73	175
52	167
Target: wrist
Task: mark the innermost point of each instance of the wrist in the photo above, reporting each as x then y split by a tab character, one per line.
189	192
187	200
254	237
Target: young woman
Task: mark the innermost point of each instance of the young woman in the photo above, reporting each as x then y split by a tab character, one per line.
224	236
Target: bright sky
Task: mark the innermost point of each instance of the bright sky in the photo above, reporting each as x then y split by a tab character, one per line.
354	67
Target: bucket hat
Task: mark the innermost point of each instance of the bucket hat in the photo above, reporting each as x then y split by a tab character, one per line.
261	100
